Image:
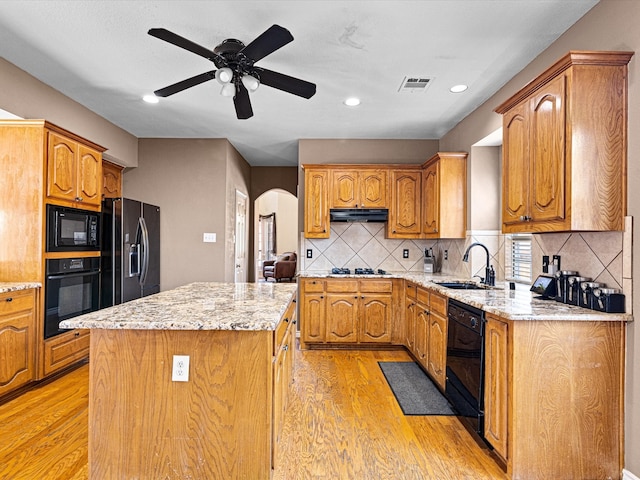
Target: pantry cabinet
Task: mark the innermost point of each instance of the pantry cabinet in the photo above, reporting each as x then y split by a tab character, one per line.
564	147
18	333
359	188
444	196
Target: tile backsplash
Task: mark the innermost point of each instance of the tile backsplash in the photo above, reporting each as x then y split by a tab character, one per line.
603	256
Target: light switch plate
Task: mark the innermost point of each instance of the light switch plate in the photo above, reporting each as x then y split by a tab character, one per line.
180	370
209	238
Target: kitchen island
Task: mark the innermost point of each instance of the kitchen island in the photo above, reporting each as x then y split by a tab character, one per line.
222	421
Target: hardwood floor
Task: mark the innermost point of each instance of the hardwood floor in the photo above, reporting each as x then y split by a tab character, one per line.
342	422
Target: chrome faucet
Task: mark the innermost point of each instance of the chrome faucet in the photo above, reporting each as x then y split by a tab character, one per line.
488	278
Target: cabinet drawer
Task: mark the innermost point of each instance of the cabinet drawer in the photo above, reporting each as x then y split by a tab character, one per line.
65	349
422	295
313	286
410	290
439	304
342	286
376	286
16	301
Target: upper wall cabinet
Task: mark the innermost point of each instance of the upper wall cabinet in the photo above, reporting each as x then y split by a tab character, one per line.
316	202
405	209
74	172
564	147
111	180
359	188
444	196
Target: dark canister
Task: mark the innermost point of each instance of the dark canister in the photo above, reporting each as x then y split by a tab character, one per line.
586	293
562	284
573	293
608	300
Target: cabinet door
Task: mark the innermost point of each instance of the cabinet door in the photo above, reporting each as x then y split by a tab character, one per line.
342	318
496	381
375	318
17	339
316	204
410	322
515	166
62	168
404	212
431	203
344	189
111	180
437	348
313	326
422	327
89	176
547	152
373	188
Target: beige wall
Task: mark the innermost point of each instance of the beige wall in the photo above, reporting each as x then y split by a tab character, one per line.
190	180
27	97
483	189
610	25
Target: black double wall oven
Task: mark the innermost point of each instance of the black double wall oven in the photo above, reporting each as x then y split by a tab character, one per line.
72	281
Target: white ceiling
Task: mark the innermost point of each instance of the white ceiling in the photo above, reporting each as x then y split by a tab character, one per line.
98	53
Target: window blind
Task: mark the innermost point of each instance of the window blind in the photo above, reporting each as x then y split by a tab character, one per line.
519	258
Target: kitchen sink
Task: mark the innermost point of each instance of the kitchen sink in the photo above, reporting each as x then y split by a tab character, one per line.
462	285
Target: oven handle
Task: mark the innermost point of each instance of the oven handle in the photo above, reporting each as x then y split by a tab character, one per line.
72	275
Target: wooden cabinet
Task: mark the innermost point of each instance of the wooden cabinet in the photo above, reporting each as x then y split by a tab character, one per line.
359	188
437	339
405	208
564	147
495	380
64	350
316	202
444	200
346	311
74	172
411	309
111	180
18	333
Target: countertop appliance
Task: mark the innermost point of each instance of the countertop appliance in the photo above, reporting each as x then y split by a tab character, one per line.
72	287
465	362
72	229
130	260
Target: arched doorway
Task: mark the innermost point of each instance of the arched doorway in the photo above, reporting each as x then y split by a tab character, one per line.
275	227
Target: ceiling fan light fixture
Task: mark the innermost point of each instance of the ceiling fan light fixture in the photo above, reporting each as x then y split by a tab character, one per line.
251	83
224	75
228	90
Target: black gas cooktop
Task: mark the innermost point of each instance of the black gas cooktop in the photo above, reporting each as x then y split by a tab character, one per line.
357	271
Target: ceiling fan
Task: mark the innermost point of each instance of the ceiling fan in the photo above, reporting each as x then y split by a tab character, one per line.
237	71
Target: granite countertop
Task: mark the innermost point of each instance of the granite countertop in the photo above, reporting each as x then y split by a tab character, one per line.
519	304
15	286
197	306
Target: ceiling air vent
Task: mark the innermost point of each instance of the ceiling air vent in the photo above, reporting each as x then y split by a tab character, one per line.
415	84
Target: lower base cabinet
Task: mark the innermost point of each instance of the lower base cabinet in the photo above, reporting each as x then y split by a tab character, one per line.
17	339
554	397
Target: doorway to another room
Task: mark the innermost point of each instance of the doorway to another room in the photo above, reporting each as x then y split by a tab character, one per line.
276	234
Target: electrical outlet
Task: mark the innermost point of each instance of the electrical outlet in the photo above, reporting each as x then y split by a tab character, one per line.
180	371
209	238
446	254
309	253
545	264
405	253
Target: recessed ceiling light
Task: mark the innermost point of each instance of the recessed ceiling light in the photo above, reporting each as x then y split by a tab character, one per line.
352	102
458	88
150	99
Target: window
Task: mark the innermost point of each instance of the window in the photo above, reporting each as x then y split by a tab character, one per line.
518	258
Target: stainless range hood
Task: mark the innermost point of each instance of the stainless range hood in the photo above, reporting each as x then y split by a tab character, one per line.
359	214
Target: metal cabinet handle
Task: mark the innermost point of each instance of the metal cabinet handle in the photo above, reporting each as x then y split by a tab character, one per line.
78	199
10	299
525	218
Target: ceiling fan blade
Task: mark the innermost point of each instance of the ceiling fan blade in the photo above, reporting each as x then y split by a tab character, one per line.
268	42
178	41
286	83
242	102
184	84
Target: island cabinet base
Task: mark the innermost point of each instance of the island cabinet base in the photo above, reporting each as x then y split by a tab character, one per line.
143	425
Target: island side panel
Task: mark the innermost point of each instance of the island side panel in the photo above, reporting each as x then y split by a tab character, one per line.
216	425
567	404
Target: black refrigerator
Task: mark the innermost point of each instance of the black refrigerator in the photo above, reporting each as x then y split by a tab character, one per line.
130	258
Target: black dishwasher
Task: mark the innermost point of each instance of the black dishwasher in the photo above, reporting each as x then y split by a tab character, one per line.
465	362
